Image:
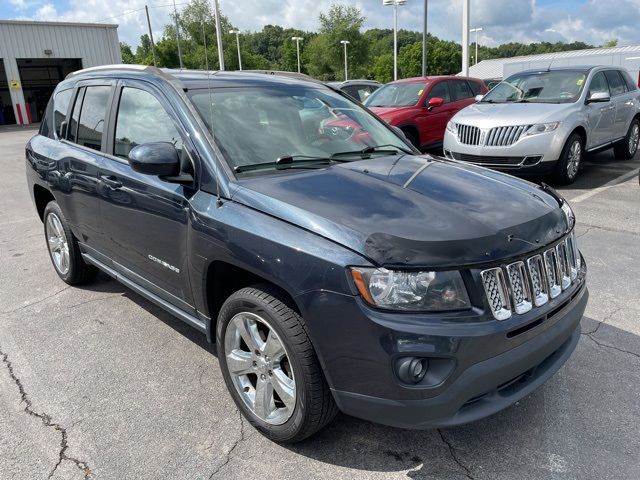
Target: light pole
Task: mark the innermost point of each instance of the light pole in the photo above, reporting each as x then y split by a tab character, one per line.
465	38
175	16
237	33
476	30
345	43
395	4
298	40
216	7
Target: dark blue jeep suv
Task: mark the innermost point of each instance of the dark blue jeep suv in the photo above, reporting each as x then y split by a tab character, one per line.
334	266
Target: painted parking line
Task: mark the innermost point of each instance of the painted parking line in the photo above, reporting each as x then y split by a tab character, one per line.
622	178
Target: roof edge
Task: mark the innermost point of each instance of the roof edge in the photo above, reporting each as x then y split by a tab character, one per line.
58	24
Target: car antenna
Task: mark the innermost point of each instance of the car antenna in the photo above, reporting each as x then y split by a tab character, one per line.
551	63
206	65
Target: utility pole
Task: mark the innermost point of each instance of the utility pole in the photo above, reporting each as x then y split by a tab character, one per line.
153	46
175	16
218	34
424	38
465	37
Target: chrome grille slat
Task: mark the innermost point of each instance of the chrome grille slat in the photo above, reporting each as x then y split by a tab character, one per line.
520	286
496	290
505	136
468	134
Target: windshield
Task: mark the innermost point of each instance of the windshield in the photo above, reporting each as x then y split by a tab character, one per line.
560	86
262	125
396	95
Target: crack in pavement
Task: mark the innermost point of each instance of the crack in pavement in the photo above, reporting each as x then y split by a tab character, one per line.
47	421
228	456
22	307
606	345
454	456
600	322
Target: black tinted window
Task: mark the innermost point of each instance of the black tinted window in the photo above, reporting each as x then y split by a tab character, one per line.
441	90
460	90
60	107
631	85
616	84
45	125
142	119
91	124
475	88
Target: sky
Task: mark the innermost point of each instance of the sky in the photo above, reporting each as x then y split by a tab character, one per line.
591	21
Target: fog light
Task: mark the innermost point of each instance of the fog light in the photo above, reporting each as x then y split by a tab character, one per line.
412	369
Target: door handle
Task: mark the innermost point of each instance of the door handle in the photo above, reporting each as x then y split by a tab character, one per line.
111	181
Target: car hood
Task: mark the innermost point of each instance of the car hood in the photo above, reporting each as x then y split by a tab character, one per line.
412	211
487	115
388	111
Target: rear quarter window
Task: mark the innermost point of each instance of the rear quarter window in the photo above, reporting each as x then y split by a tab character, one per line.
631	85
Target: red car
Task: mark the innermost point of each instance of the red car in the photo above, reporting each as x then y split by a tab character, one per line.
421	107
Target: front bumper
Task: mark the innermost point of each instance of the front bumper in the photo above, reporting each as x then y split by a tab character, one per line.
479	368
535	154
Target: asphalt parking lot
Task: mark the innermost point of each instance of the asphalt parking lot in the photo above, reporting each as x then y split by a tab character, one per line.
96	382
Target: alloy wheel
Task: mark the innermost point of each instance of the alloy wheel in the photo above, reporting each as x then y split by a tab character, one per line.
634	138
575	155
259	366
57	243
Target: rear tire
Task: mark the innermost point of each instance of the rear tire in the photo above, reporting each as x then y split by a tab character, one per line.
63	248
627	148
263	346
570	160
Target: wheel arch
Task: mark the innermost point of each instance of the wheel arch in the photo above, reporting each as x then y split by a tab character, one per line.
223	278
41	197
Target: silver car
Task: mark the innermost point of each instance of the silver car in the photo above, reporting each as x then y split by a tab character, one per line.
543	122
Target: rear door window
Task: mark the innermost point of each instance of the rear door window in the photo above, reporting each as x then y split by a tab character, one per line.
75	116
475	88
616	84
631	85
460	90
92	116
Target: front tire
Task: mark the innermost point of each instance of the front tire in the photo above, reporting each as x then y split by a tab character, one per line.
627	148
63	248
570	160
270	366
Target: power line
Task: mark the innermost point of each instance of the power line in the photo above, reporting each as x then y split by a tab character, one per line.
129	12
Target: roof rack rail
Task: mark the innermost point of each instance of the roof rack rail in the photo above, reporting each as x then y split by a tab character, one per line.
282	73
116	66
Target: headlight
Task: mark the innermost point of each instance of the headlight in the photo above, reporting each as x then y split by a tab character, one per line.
415	291
542	128
568	215
451	127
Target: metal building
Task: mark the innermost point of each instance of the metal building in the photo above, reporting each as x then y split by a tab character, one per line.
35	56
627	57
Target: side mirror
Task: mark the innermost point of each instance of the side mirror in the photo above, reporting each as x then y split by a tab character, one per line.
435	102
155	158
599	97
479	97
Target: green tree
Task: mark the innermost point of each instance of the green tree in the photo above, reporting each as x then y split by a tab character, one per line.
126	53
410	60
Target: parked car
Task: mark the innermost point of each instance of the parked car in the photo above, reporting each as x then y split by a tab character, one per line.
543	122
422	106
332	272
358	89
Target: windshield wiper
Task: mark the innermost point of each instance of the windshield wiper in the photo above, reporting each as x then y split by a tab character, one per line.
288	162
366	152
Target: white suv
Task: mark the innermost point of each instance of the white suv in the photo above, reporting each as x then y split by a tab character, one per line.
541	122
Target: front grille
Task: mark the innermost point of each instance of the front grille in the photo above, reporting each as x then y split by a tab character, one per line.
530	283
466	157
505	136
468	135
